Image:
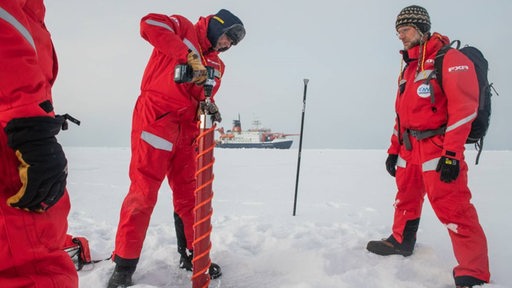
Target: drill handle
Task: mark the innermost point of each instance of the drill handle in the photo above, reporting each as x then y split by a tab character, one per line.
210	81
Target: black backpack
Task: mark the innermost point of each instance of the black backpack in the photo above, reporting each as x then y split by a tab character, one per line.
480	124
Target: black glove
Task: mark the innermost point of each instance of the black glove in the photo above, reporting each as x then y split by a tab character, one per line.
449	169
43	165
210	108
391	164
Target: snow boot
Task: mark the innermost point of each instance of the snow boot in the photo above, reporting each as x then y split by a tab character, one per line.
390	246
121	277
186	257
467	281
387	247
469	286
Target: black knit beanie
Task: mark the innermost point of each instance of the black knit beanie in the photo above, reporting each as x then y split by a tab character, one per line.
415	16
225	22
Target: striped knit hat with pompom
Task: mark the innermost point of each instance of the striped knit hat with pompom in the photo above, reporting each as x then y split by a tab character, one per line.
415	16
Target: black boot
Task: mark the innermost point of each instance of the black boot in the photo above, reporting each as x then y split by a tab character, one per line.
387	247
390	246
186	257
121	277
467	281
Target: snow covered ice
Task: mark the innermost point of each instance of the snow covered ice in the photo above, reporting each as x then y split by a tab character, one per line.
345	199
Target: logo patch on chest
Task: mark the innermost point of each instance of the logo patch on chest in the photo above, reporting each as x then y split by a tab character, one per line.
458	68
423	91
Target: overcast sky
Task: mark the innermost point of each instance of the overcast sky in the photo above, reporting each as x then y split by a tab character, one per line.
347	49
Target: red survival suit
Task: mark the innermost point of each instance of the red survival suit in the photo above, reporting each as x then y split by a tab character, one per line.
455	106
31	252
164	129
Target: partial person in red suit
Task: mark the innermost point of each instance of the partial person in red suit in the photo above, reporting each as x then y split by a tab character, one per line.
34	203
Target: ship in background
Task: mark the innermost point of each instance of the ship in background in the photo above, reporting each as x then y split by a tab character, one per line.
255	137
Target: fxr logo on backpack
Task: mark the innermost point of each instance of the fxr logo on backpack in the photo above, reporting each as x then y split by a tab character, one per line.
458	68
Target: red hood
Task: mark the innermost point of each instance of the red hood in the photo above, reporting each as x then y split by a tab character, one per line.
202	30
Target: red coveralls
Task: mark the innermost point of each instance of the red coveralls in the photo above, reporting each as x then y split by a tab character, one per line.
31	243
164	130
456	107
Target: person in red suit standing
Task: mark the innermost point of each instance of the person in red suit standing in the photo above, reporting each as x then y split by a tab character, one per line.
34	202
426	154
165	127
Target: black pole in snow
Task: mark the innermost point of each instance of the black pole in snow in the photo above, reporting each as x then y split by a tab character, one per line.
300	145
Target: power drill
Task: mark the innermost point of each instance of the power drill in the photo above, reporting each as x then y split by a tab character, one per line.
184	74
210	82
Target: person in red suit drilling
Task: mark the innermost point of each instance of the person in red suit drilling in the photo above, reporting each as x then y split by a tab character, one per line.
164	129
427	149
34	203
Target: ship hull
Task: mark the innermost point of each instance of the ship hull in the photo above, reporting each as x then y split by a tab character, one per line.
262	145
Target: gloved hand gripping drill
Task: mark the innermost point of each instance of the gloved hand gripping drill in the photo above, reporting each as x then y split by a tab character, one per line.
196	73
193	71
207	106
